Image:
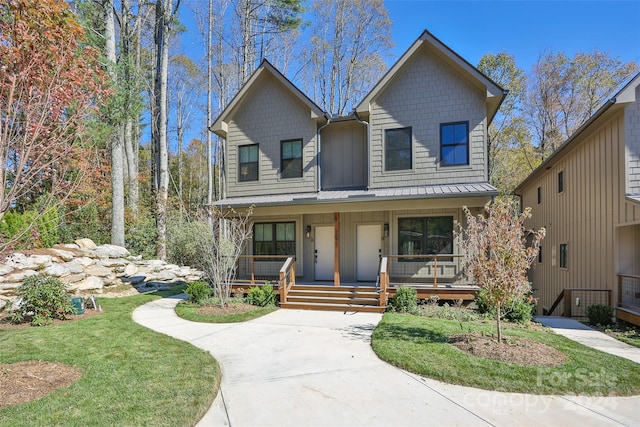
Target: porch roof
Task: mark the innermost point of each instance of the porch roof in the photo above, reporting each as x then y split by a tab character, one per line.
377	194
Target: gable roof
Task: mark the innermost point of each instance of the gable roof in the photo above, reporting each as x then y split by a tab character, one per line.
220	125
495	93
624	96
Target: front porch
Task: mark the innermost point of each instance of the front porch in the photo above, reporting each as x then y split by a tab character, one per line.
430	275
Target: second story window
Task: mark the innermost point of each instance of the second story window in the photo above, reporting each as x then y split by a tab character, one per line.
539	195
291	158
397	149
454	144
248	165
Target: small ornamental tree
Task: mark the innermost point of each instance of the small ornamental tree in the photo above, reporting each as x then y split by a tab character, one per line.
497	256
221	249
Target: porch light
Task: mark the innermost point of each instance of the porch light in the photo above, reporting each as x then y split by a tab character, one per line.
307	231
386	230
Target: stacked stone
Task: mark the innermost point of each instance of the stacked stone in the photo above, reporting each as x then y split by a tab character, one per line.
87	267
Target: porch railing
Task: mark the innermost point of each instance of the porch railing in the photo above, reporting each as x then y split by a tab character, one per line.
252	269
629	291
576	300
429	270
287	278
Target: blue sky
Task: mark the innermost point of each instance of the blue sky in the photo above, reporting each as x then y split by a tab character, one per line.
474	28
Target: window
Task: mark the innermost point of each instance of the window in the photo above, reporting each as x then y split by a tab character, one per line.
560	181
539	195
277	238
454	144
248	162
563	255
291	158
425	236
397	149
540	254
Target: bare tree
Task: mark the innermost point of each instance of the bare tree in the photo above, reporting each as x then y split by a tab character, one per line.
221	250
349	43
564	92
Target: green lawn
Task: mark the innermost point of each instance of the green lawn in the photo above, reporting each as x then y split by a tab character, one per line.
132	376
188	311
419	344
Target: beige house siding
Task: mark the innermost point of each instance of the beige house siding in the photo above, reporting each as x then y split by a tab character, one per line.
271	114
425	93
584	215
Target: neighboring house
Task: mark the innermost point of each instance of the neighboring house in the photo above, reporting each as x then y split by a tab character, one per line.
389	179
587	196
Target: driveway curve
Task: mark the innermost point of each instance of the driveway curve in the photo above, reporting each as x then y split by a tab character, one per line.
313	368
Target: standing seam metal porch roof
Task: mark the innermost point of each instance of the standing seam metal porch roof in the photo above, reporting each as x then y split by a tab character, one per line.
378	194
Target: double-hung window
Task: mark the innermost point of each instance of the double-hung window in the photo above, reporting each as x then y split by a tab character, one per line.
454	144
248	165
274	238
397	149
291	158
425	236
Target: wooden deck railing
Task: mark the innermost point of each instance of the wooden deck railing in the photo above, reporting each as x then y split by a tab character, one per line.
383	276
423	269
629	291
584	298
254	269
287	278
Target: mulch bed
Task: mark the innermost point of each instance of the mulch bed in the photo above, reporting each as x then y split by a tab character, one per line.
231	308
520	351
5	323
26	381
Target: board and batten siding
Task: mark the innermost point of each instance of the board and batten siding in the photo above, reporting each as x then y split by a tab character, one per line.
271	114
344	156
632	138
425	93
584	216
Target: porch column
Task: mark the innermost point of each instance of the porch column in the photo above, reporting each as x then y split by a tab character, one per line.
336	249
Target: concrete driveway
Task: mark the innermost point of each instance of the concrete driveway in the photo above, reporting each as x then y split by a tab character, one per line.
312	368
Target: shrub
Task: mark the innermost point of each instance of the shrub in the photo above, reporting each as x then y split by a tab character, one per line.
599	314
262	296
141	238
519	310
405	300
43	298
183	241
198	291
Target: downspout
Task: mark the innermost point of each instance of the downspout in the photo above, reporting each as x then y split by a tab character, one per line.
319	156
366	124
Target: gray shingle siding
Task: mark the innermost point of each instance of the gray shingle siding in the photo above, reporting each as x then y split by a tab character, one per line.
632	138
269	115
425	93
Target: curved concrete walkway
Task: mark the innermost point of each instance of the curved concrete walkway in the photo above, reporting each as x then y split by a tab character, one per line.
310	368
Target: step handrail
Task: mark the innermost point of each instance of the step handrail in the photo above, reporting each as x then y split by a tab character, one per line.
287	278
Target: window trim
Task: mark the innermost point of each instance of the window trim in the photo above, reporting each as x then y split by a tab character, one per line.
425	219
274	239
282	159
563	256
467	163
410	128
240	164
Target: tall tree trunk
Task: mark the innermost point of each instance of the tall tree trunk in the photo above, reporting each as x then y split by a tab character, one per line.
209	107
117	157
160	142
129	38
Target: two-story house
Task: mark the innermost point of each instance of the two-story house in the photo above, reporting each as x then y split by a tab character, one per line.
587	196
389	179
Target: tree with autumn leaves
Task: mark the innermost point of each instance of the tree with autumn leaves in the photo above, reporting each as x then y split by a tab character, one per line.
51	85
497	255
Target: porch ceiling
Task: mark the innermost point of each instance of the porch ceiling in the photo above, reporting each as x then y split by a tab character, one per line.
378	194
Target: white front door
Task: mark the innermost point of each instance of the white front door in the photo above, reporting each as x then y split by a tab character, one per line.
324	253
368	250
